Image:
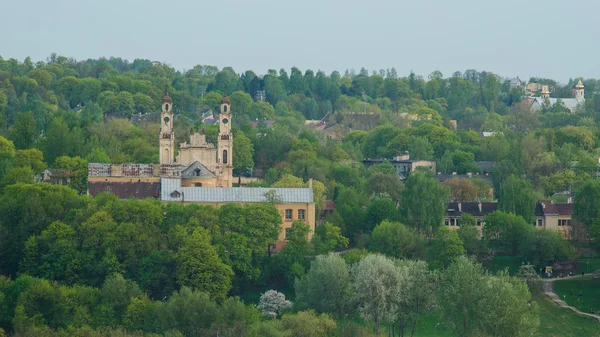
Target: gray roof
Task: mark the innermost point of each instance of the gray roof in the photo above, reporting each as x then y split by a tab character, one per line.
570	103
190	171
171	190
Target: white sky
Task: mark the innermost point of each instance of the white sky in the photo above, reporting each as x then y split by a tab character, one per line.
552	38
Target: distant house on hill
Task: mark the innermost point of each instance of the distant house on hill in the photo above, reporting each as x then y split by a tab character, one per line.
403	164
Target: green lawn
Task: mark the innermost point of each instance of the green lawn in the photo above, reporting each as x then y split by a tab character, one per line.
502	262
554	322
590	264
590	291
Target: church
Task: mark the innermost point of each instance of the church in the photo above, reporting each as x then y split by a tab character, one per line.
200	173
535	103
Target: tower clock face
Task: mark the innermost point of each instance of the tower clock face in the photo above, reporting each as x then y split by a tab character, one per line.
166	120
225	121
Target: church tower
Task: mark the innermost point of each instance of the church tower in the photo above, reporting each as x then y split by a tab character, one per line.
545	92
225	144
579	92
167	136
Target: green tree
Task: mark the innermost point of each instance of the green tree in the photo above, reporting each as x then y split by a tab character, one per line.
517	197
418	293
326	287
468	233
242	154
57	142
505	231
30	158
586	207
23	132
379	210
327	238
445	248
396	240
199	266
492	306
545	247
77	169
424	203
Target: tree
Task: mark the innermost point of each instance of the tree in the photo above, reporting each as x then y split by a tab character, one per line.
377	289
545	247
418	293
77	169
379	210
517	197
30	158
469	234
327	238
505	231
492	306
23	132
242	154
326	287
57	141
396	240
272	303
198	266
7	153
586	207
424	203
308	324
445	248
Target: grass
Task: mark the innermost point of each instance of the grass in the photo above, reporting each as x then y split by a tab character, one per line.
502	262
561	322
590	291
590	263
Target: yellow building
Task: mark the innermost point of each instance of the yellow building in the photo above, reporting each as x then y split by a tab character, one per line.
200	174
556	216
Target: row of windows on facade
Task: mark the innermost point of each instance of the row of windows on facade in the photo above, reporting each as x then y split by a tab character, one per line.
454	222
561	222
289	214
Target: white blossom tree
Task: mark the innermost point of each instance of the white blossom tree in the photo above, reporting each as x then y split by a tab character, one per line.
272	303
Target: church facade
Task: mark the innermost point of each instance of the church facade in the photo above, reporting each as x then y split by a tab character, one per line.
573	104
200	173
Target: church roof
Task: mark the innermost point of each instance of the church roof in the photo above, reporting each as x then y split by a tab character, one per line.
570	103
225	100
579	85
191	171
171	190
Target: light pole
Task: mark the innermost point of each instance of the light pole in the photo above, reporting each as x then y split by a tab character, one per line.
434	329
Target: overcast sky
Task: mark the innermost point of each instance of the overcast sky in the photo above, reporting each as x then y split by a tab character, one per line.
552	38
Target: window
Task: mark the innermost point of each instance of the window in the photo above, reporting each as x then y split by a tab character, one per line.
457	222
175	194
563	222
166	107
224	108
198	184
568	222
451	222
540	222
301	214
197	172
224	156
447	222
289	214
288	231
274	246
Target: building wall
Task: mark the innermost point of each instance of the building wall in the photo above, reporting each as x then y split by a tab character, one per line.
208	157
552	221
423	163
191	182
126	189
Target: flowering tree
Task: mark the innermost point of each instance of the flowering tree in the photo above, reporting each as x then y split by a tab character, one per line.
272	303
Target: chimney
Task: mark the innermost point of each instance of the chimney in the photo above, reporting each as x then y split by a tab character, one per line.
479	205
309	182
543	205
460	207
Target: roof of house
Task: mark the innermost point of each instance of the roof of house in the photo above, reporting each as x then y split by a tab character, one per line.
548	207
190	171
210	121
472	208
486	166
171	190
570	103
444	177
268	124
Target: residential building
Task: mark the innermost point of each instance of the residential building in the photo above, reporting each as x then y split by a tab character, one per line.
403	164
200	173
555	216
455	211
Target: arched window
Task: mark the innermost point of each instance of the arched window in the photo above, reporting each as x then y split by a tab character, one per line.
198	184
224	156
224	108
197	172
166	107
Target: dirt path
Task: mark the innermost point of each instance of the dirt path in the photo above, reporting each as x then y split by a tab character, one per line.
548	288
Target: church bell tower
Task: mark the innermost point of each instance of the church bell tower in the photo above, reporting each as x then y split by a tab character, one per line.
225	144
167	136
